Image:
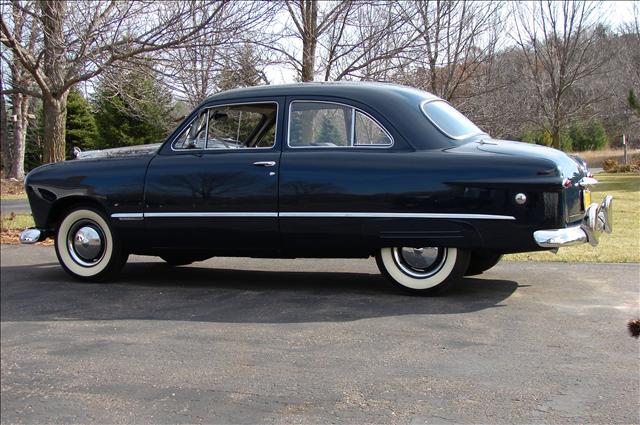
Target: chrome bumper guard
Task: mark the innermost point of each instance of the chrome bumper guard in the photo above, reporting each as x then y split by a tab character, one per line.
29	236
597	220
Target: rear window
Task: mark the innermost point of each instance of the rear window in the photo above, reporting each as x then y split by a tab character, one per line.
449	120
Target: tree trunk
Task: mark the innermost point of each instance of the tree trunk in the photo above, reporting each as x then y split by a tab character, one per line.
54	103
4	130
17	146
55	118
555	137
309	40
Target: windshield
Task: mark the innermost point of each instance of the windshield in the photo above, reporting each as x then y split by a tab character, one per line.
449	120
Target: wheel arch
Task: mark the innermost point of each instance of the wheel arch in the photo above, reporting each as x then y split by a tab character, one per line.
64	205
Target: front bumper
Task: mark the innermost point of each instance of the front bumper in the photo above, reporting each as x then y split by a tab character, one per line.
597	220
32	235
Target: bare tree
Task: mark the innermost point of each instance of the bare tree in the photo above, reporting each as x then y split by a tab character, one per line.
455	44
193	72
25	29
558	41
83	39
367	41
310	24
342	39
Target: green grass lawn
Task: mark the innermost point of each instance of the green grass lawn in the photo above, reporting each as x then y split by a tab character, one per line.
17	222
623	245
13	196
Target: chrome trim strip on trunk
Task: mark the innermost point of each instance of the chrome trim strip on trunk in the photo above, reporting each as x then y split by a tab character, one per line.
131	216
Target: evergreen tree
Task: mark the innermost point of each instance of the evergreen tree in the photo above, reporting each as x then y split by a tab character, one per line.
133	108
81	130
34	145
329	133
590	137
634	103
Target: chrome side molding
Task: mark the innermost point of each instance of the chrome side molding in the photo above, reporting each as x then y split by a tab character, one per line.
452	216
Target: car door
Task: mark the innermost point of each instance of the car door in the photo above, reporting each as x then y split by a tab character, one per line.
332	177
215	185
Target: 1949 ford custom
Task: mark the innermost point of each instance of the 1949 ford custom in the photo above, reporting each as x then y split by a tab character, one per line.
318	170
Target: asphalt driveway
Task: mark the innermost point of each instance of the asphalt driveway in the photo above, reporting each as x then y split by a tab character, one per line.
310	341
18	206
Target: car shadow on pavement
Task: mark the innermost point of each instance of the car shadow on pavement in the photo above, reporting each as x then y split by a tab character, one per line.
153	291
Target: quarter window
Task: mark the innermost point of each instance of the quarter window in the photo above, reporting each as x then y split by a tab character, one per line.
323	124
231	127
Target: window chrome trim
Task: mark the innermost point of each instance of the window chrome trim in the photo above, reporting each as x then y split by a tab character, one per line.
208	108
125	216
353	126
464	136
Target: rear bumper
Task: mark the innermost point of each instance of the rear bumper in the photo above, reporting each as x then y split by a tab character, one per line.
597	220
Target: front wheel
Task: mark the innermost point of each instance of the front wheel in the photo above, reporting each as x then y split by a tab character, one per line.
425	271
87	247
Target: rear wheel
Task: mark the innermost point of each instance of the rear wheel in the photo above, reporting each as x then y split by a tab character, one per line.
482	261
86	246
425	271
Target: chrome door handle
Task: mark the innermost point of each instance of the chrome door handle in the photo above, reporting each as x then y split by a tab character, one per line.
264	163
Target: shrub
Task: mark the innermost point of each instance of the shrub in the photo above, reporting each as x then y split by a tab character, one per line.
544	137
609	165
613	166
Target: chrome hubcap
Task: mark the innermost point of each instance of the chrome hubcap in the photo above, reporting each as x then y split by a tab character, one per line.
86	243
419	262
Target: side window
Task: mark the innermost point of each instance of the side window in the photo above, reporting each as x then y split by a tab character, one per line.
324	124
368	132
319	124
232	127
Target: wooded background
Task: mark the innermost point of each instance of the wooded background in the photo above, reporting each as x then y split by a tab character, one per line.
98	74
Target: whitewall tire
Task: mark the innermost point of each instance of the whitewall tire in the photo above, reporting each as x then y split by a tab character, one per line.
87	247
427	271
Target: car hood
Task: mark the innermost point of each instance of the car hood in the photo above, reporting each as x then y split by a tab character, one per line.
118	152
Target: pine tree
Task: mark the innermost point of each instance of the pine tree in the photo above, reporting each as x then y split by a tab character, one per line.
634	103
329	133
81	129
133	108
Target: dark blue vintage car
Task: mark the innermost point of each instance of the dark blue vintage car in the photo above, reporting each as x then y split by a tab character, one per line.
318	170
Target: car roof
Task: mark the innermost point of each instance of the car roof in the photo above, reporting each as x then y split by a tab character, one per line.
359	90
